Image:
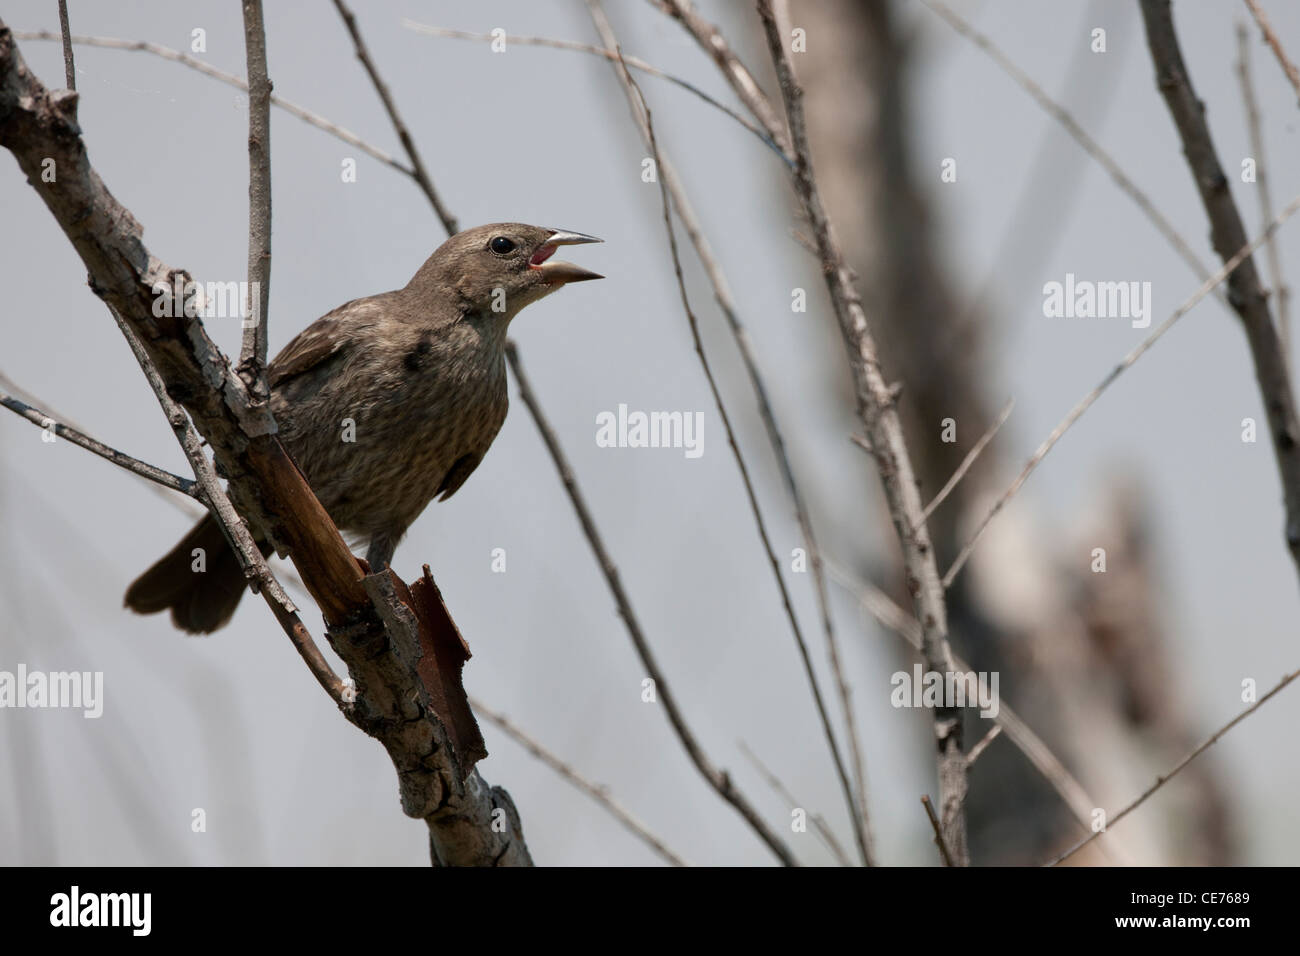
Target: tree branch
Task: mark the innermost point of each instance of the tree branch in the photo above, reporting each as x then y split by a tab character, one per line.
1242	255
819	823
390	107
252	353
1079	135
939	841
875	405
1164	778
1262	187
184	59
134	465
641	110
719	780
632	61
722	295
1245	292
969	460
65	30
711	40
256	571
596	791
889	615
1270	37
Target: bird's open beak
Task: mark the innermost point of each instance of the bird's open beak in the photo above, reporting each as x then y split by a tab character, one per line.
561	272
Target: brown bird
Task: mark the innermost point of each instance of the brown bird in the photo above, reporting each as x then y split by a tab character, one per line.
385	403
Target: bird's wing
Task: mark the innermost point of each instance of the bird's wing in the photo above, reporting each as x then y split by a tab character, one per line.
460	469
327	336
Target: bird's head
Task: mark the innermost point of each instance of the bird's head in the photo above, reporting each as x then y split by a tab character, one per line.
502	267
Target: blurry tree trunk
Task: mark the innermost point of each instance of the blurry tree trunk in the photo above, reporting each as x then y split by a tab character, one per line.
1081	655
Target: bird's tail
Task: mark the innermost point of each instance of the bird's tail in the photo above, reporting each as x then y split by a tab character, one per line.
199	580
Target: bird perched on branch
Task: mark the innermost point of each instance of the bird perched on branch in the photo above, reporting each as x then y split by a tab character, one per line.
385	403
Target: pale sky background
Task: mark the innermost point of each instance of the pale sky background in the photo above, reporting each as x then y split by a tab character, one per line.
234	723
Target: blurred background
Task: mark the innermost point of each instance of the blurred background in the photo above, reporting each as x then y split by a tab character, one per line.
1121	673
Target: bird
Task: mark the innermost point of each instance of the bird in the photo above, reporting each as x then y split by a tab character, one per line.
384	403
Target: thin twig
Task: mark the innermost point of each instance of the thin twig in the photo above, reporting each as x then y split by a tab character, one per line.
1176	769
881	607
939	841
1087	401
710	38
974	753
252	352
719	780
69	67
191	507
1265	194
134	465
1271	39
642	109
1055	183
690	221
1077	132
1246	291
597	792
819	823
255	568
879	417
635	62
184	59
968	460
390	107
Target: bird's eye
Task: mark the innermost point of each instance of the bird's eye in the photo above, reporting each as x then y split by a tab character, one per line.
501	246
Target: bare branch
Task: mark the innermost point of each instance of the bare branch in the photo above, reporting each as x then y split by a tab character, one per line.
879	417
635	62
719	780
596	791
819	822
65	30
969	460
1266	28
134	465
1087	401
1176	769
939	841
390	107
889	615
1245	292
538	750
974	753
1077	132
184	59
641	111
1264	192
256	570
726	303
252	353
710	38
